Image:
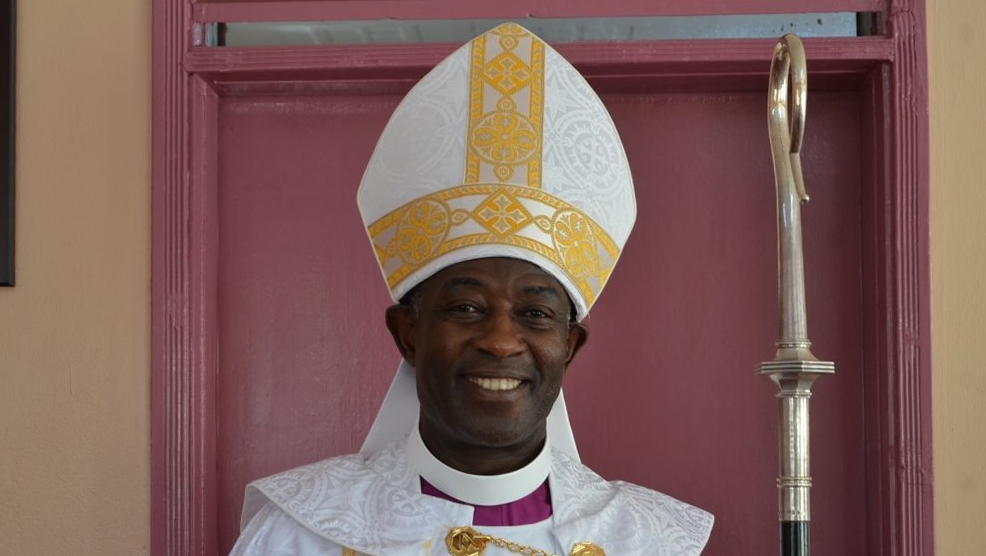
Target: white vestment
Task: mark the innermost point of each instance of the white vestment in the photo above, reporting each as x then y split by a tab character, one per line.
372	504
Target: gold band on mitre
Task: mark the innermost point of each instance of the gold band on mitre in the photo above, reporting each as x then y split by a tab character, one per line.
495	214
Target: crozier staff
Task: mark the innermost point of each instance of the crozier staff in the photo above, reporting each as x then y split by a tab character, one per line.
497	202
794	368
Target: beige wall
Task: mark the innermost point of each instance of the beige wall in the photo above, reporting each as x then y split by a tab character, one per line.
74	350
957	60
74	333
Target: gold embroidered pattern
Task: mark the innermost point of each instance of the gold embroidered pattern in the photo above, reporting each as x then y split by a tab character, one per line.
501	214
507	73
482	214
422	227
506	108
575	243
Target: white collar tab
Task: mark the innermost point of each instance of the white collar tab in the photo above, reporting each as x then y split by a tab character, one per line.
479	490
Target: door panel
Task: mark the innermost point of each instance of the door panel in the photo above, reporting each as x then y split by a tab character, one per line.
664	394
303	354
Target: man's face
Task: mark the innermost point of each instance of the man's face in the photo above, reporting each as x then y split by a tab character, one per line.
490	340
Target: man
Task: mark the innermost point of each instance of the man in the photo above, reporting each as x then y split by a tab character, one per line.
497	202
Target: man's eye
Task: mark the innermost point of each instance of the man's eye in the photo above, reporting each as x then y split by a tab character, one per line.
464	308
538	314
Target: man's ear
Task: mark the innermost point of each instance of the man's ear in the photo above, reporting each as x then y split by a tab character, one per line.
578	334
400	321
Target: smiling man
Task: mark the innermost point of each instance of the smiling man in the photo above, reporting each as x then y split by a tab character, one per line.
497	202
490	340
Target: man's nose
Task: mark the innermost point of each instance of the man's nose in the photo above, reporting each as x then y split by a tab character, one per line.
501	335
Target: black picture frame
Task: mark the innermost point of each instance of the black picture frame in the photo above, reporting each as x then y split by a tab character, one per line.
7	23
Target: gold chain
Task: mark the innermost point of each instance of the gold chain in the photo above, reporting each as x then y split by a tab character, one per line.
466	541
518	548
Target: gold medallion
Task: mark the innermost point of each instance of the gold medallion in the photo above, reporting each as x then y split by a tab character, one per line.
586	549
465	541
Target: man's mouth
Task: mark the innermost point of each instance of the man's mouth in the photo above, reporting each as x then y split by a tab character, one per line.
496	384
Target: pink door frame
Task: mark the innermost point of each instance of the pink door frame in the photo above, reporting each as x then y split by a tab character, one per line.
189	80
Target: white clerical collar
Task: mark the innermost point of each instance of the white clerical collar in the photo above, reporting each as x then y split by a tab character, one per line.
480	490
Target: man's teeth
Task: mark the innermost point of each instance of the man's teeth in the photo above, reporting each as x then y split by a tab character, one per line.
495	383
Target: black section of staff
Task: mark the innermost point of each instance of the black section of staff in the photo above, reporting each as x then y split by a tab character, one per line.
795	539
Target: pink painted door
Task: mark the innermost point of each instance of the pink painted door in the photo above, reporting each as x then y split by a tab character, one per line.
664	394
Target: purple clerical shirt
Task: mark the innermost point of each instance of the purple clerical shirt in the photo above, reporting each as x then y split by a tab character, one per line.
532	508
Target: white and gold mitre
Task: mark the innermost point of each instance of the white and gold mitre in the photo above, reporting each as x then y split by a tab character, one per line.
502	150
